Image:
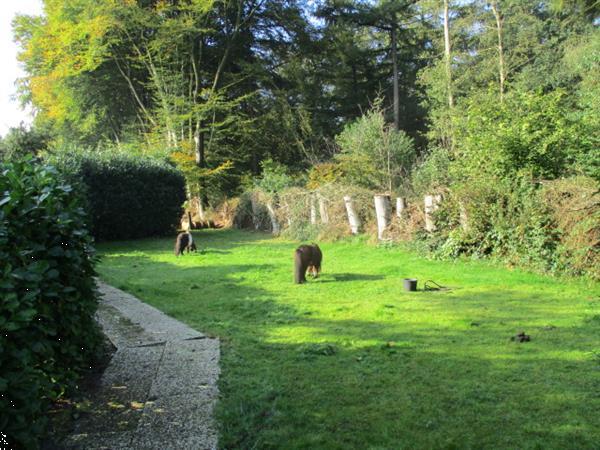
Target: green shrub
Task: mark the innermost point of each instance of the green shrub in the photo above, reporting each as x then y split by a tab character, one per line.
128	197
373	155
48	296
550	227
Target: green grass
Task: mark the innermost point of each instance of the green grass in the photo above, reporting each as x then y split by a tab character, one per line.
352	361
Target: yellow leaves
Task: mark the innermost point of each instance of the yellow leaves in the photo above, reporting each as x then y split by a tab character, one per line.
115	405
185	161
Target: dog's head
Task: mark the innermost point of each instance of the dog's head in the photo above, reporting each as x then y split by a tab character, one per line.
193	247
314	270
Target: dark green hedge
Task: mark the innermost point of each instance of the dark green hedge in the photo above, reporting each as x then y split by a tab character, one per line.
128	197
48	296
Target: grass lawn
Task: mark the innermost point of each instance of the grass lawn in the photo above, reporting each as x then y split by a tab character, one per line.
350	361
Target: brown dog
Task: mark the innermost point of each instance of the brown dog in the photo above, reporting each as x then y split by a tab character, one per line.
183	242
307	257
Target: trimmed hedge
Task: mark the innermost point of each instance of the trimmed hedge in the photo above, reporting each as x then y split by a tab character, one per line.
128	197
48	296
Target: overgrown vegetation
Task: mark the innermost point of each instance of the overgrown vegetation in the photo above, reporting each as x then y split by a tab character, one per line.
48	296
350	360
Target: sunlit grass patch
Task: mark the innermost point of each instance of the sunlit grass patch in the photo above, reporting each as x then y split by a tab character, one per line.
350	360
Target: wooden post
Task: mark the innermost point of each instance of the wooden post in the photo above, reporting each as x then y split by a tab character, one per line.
313	210
431	204
275	228
383	212
323	210
400	206
352	216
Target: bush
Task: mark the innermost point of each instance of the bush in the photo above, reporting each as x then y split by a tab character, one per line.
48	296
550	226
373	154
128	197
575	206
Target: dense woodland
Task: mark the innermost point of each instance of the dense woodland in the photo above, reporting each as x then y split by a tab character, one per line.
486	102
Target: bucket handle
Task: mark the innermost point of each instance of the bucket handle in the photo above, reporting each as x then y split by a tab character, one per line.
436	287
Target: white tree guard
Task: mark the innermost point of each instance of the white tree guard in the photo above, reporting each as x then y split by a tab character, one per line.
432	203
400	206
383	211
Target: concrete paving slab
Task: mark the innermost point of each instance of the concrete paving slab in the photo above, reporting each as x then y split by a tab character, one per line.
178	421
153	321
187	366
121	331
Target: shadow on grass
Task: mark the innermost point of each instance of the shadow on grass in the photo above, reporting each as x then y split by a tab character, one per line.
341	277
448	377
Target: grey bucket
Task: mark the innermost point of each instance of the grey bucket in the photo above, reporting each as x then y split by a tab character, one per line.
410	284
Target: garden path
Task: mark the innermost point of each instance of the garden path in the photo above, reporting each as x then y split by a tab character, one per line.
160	388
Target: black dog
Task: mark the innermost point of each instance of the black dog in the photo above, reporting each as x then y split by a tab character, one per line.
307	257
184	242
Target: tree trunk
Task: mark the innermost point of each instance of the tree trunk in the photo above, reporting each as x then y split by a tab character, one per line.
323	210
431	204
499	20
396	88
275	229
463	216
201	211
190	223
288	214
448	55
400	206
383	212
255	211
199	146
199	152
313	210
353	219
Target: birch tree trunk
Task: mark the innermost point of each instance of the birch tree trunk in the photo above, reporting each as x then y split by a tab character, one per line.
383	212
353	219
447	54
431	204
501	69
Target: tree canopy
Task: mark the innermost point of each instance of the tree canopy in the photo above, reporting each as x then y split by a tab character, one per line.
221	85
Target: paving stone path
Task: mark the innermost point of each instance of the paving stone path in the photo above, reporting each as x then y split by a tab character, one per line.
160	388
